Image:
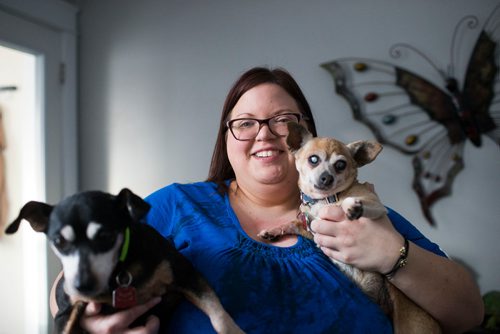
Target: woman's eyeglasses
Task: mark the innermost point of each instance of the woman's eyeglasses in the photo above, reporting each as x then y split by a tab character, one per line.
248	128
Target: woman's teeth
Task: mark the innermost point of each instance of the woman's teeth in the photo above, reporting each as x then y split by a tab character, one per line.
265	154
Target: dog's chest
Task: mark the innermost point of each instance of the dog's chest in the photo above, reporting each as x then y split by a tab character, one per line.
311	211
158	284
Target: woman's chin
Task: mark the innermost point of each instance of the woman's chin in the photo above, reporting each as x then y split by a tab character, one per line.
271	177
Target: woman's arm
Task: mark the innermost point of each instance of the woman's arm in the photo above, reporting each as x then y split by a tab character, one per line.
119	322
439	285
442	287
52	297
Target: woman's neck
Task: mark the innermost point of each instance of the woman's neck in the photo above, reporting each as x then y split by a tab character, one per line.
264	209
284	196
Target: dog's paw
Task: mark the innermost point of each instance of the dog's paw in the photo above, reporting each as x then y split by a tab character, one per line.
271	235
353	208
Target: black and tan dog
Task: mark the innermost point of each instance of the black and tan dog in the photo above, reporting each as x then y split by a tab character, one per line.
108	256
328	174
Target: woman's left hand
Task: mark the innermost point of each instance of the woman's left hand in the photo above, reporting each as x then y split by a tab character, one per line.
367	244
440	286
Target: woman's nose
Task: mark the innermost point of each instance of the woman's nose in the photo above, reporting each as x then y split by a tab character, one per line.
265	133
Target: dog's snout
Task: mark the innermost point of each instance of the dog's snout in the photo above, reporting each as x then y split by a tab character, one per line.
326	179
84	283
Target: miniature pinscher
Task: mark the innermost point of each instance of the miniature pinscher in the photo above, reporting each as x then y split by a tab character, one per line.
109	256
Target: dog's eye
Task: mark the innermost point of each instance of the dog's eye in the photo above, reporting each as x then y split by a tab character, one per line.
59	242
105	236
340	165
104	240
313	160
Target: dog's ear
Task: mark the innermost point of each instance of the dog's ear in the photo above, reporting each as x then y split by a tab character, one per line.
297	136
364	151
36	213
136	206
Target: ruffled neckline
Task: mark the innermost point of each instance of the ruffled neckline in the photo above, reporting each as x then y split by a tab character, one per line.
302	248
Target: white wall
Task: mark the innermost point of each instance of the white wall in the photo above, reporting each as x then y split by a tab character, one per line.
154	75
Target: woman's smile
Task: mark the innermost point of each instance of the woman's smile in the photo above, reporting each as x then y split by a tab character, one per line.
267	153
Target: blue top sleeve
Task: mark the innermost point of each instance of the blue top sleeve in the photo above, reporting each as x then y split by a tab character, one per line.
411	233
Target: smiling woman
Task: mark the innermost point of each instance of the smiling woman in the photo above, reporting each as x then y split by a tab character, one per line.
263	157
220	167
289	285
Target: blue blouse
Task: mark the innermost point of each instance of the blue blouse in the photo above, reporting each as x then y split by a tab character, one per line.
266	289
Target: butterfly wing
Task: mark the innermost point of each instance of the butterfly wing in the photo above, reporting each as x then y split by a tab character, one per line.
435	169
407	112
434	101
478	89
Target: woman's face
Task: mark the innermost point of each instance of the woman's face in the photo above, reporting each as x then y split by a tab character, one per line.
264	159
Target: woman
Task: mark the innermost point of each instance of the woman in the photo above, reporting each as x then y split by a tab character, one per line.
289	285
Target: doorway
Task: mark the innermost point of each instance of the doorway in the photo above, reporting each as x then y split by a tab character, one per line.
25	255
41	35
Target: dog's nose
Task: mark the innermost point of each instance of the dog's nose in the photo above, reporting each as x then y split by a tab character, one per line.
326	179
84	283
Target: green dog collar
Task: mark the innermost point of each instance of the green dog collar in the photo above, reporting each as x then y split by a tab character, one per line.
126	243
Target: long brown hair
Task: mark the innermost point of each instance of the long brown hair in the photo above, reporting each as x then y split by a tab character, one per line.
220	168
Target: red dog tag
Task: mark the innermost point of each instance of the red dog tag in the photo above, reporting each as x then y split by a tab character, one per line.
124	297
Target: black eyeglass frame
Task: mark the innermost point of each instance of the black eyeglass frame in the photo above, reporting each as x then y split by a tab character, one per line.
261	122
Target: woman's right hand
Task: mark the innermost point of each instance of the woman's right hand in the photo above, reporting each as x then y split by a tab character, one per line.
94	322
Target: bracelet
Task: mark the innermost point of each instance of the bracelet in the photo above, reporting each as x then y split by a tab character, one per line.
401	262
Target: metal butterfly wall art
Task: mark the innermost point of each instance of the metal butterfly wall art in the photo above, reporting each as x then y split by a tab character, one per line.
429	121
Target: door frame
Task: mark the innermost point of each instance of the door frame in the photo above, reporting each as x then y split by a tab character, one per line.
62	18
59	103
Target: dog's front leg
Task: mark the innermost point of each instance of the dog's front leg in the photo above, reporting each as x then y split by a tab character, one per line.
356	207
210	304
295	227
61	319
374	209
68	320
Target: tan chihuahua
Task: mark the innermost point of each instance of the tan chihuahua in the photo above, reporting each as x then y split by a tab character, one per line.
328	174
